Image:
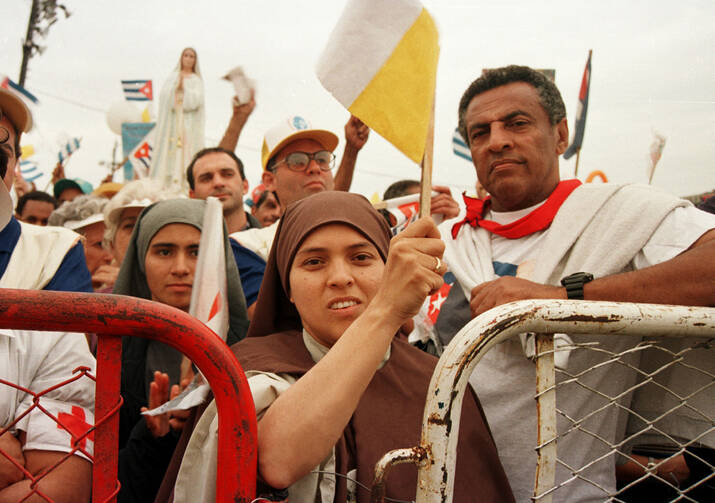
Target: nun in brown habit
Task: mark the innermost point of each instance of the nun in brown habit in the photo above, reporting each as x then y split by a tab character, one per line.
333	389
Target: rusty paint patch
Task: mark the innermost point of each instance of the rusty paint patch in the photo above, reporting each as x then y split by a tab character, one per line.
587	318
436	419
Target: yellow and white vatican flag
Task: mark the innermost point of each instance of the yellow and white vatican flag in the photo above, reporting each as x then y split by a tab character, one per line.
209	301
380	62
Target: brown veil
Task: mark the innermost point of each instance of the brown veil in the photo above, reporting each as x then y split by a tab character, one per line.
274	311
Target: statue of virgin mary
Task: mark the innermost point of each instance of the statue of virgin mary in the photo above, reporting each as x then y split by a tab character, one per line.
180	124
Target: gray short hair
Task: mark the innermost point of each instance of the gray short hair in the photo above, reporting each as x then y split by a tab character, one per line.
78	209
549	94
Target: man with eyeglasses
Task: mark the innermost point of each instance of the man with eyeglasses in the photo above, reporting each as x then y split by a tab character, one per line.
32	257
298	161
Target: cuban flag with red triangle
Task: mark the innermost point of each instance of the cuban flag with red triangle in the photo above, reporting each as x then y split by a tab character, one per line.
138	90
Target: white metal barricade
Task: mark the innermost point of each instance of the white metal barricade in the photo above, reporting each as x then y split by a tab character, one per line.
641	325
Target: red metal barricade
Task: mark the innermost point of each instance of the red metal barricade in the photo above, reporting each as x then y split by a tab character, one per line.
114	316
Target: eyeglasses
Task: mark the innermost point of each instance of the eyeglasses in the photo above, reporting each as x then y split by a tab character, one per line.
298	161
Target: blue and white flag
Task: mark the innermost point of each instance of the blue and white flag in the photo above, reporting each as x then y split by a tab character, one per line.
459	147
6	83
137	90
69	149
30	171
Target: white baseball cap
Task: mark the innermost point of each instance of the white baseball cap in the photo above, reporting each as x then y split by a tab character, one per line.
291	129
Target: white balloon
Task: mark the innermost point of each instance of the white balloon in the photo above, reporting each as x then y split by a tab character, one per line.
121	112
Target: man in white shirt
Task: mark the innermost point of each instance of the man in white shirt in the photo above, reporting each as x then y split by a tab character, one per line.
540	237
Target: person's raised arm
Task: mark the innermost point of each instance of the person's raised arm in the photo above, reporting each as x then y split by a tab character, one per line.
301	427
356	134
687	279
241	113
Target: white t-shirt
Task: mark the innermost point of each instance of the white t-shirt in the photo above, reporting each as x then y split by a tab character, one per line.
37	361
678	231
511	417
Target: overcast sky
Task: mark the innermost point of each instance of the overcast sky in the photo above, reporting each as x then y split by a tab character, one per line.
653	69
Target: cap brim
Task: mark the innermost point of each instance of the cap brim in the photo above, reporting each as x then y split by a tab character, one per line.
16	111
116	212
326	138
79	224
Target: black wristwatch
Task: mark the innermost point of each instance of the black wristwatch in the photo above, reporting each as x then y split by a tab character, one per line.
574	284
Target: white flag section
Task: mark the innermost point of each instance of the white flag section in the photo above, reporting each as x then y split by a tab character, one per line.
209	299
381	64
654	154
209	294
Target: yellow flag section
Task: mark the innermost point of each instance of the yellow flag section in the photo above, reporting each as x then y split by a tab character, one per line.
381	64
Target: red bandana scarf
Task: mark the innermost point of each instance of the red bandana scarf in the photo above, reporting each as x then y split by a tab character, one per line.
537	220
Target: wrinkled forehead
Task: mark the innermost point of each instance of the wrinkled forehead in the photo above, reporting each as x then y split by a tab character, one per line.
501	101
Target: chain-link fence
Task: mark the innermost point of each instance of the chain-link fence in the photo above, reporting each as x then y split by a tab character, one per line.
64	429
660	395
112	317
622	414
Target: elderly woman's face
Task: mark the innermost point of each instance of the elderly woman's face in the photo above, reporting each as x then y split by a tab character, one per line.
170	263
127	221
95	254
335	274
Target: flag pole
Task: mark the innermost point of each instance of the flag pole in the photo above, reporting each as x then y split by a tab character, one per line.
578	156
426	181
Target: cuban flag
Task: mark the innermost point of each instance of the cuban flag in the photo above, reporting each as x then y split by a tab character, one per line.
141	157
137	90
459	147
6	83
581	112
70	148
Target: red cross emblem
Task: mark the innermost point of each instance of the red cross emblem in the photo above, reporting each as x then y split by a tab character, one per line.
75	424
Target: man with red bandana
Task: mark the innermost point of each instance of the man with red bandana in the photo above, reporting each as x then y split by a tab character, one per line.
537	236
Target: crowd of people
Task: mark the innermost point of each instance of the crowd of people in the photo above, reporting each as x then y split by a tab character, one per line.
326	307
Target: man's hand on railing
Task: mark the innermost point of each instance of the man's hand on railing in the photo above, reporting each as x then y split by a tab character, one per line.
508	289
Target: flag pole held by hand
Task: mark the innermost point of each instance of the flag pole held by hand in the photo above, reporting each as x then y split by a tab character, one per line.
426	181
